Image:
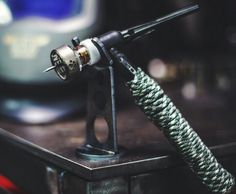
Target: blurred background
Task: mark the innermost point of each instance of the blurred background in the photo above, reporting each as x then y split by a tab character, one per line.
193	58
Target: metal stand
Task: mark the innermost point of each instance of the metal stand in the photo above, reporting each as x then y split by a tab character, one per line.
101	102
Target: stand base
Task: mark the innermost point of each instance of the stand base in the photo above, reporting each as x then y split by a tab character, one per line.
89	152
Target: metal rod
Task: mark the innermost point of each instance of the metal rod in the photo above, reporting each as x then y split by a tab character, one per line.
143	29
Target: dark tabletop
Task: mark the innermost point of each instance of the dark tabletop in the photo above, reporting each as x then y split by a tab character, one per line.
143	146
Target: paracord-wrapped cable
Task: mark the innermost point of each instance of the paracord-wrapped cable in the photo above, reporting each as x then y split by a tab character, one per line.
162	112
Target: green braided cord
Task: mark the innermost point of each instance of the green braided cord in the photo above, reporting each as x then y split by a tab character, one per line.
162	112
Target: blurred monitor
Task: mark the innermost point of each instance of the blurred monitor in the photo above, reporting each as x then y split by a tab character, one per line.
29	30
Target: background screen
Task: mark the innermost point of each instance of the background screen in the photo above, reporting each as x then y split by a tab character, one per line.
52	9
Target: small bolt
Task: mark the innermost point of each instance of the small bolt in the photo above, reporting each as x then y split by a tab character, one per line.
75	41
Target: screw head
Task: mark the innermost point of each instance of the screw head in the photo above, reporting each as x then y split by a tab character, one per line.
75	41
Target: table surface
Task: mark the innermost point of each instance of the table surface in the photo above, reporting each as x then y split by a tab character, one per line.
145	147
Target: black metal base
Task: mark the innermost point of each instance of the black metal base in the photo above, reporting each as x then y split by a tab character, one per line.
89	152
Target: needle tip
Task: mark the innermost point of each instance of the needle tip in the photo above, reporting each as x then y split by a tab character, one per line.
49	69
